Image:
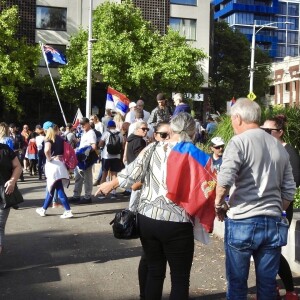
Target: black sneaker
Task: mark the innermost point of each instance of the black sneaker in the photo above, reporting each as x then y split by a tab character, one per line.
74	199
126	193
85	201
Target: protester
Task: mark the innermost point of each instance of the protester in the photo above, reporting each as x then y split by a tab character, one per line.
180	105
140	105
4	136
55	171
32	153
211	126
40	147
257	169
107	117
217	146
119	120
130	116
276	127
10	171
166	231
84	174
70	136
162	113
98	125
25	133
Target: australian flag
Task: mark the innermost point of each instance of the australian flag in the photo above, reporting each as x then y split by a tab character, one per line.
54	56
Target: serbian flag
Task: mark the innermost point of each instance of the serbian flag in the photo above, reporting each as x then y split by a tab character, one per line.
116	101
52	55
77	118
191	182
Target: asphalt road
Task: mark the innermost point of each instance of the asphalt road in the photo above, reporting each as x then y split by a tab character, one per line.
78	258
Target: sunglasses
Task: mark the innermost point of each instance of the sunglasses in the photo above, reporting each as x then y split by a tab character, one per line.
269	130
218	147
163	135
145	129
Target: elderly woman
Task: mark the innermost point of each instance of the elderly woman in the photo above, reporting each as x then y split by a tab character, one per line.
10	170
180	105
55	171
166	229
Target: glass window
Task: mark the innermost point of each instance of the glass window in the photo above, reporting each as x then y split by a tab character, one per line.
282	8
293	9
186	27
52	18
186	2
294	25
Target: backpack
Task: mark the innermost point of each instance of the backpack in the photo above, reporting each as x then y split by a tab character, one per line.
69	156
114	145
98	137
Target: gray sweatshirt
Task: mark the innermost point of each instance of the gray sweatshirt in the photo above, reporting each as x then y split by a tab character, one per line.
256	167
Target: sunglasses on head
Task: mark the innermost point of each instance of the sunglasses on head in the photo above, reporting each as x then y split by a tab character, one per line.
269	130
218	147
144	129
163	135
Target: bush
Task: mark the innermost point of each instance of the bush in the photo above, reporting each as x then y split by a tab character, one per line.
297	198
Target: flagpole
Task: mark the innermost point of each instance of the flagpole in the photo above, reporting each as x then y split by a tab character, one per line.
46	61
89	66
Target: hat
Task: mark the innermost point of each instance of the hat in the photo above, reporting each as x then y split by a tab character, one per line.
160	96
84	121
132	104
111	124
48	125
217	141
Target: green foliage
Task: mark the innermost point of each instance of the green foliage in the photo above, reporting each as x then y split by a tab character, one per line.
230	68
131	57
18	60
297	198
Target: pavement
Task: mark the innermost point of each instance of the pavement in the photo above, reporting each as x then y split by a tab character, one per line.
78	258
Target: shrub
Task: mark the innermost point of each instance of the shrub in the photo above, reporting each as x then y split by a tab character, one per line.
297	198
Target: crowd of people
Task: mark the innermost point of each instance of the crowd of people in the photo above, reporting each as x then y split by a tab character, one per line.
246	184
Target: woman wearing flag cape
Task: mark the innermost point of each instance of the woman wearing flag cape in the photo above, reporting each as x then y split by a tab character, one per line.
178	187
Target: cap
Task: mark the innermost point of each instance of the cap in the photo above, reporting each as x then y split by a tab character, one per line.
160	96
84	121
47	125
132	104
217	141
111	124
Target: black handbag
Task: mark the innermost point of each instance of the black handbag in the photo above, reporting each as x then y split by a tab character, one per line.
125	225
13	199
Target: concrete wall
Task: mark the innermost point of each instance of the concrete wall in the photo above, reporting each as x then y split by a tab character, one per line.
291	252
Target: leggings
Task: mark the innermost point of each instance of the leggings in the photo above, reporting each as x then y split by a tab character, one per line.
58	186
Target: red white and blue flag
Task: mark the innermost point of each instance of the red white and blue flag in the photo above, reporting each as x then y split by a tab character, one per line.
116	101
191	182
53	56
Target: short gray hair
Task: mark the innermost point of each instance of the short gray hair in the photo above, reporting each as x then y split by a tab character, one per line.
184	124
139	124
178	97
249	111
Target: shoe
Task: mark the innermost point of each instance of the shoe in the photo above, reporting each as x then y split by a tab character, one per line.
126	193
67	214
41	212
56	205
85	201
15	207
101	197
291	296
74	199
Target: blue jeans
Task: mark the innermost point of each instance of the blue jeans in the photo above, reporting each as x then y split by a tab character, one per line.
261	237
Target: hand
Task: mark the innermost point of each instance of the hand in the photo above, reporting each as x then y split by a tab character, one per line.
105	188
9	186
221	211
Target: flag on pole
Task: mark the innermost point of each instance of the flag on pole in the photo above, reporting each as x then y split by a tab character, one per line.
77	118
116	101
52	55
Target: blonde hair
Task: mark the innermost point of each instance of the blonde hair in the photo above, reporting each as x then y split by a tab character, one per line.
50	134
3	130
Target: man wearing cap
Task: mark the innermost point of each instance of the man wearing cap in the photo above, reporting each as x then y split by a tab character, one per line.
110	162
217	147
130	116
84	177
161	113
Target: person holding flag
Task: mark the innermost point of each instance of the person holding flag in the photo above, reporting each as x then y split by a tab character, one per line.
178	188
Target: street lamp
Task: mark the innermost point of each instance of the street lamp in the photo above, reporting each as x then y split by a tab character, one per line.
254	32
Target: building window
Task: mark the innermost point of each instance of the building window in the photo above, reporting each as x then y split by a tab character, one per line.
51	18
185	27
184	2
287	87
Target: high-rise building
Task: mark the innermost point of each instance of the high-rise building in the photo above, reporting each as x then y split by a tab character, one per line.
278	33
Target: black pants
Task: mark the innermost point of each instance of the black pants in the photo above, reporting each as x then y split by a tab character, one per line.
171	241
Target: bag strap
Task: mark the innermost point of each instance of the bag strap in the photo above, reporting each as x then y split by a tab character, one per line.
147	162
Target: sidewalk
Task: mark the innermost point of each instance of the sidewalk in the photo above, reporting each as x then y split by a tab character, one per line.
78	258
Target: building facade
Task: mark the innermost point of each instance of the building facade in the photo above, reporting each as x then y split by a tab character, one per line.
279	37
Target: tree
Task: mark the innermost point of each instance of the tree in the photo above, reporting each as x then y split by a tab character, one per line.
131	57
18	60
230	68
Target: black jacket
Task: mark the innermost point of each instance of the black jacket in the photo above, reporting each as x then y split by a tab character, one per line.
135	144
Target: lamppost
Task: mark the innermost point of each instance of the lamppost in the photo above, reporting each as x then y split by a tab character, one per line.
254	32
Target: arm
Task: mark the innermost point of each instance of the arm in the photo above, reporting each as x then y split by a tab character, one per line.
220	204
16	172
47	151
125	153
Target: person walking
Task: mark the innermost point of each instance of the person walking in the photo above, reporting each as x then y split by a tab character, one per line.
257	171
166	229
55	171
276	127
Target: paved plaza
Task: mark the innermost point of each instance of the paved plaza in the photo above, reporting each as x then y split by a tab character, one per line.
78	258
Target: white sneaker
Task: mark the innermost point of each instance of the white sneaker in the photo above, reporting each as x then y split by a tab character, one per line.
41	212
67	214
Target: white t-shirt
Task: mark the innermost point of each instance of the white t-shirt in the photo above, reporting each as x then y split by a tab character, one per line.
39	141
88	138
105	137
130	117
99	127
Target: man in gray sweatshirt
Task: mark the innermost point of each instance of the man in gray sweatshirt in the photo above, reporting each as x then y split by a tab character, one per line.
257	171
